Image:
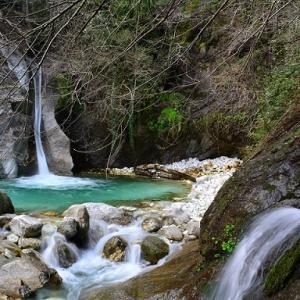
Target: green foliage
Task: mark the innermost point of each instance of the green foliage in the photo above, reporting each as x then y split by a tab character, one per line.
228	243
65	103
281	88
170	119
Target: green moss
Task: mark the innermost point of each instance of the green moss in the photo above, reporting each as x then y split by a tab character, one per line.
282	270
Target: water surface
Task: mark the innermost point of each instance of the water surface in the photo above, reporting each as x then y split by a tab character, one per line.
51	192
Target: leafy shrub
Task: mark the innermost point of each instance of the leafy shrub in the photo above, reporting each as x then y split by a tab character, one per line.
170	120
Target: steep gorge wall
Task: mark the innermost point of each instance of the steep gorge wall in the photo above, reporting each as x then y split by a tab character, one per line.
270	178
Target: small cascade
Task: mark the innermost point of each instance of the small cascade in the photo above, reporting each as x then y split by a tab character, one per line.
91	270
269	236
41	158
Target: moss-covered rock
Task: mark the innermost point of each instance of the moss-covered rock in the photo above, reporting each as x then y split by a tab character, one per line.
270	178
154	248
282	270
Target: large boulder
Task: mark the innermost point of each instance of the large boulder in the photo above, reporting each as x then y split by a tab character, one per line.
6	206
101	211
115	249
65	255
21	277
154	249
80	214
68	228
26	226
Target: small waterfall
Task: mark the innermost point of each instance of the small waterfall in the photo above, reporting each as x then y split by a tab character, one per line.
91	270
41	158
269	236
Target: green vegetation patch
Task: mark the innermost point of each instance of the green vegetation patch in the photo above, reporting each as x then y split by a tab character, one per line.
228	243
281	89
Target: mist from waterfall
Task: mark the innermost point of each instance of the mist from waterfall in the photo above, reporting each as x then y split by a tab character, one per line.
269	236
41	158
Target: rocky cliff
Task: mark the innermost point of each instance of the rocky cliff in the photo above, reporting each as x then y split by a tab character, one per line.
270	178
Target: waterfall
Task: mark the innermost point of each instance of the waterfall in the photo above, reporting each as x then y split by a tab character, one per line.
270	235
41	158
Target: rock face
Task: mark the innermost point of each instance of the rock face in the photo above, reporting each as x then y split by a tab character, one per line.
57	144
270	178
100	211
6	206
114	249
154	249
26	226
13	115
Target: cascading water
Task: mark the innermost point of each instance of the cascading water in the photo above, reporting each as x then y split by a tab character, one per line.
91	270
270	235
41	158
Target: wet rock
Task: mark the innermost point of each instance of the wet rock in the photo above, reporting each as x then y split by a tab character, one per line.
177	279
5	219
68	228
6	206
101	211
151	224
168	220
12	238
154	249
96	232
114	249
9	249
29	243
26	226
22	276
54	280
181	218
65	255
48	230
171	232
193	228
80	214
